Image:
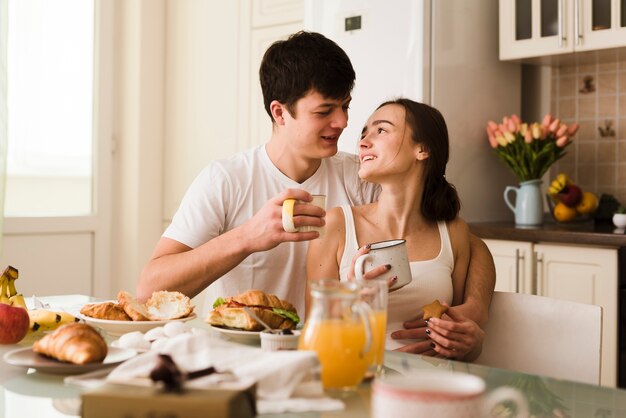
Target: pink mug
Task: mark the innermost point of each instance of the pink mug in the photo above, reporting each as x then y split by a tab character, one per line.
442	394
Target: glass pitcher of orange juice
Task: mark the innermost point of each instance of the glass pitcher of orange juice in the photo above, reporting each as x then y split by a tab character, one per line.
339	330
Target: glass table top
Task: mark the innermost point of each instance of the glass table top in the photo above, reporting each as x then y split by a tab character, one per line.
27	393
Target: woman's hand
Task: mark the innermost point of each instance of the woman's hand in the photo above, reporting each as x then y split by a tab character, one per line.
457	338
414	330
373	273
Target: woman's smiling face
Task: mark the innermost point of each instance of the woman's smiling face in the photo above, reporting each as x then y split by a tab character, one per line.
386	146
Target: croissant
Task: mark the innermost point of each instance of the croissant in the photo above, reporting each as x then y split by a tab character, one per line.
73	343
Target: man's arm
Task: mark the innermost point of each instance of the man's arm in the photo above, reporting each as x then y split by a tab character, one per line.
481	280
175	266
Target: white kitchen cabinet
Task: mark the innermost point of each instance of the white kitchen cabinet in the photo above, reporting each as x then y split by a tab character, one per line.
570	272
535	28
514	265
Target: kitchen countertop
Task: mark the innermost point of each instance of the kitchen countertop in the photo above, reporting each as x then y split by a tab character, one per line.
587	232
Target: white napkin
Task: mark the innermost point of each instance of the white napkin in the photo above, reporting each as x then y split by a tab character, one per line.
287	381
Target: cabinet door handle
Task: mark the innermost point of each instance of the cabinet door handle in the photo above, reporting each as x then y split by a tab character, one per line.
561	23
539	273
517	259
577	32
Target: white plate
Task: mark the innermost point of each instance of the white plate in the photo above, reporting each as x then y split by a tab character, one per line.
117	328
239	335
26	357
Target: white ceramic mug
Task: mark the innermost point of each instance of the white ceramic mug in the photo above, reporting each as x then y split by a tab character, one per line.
392	252
442	394
319	200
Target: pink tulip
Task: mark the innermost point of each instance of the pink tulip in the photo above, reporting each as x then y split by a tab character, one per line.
554	125
491	125
546	120
493	141
561	131
502	127
562	141
516	119
511	125
528	137
544	132
573	128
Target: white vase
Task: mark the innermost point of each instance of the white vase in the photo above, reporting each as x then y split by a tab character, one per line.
619	220
528	208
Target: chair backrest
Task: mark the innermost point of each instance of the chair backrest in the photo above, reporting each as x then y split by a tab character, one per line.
544	336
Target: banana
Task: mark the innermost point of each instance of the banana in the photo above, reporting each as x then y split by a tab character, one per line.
559	183
45	320
3	291
7	285
18	300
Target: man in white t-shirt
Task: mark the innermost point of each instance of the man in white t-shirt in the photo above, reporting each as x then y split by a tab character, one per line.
227	234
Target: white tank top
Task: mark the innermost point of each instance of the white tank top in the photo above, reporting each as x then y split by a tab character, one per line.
431	279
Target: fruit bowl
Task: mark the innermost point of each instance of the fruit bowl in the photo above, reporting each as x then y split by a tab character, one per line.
578	218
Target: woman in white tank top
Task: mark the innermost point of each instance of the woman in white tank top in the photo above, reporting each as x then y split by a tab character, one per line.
404	148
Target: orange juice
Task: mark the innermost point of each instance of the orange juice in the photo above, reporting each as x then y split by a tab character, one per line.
340	346
379	326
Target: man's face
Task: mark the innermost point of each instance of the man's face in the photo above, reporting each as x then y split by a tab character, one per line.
318	122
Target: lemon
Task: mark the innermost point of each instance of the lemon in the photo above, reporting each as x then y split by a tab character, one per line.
587	204
564	213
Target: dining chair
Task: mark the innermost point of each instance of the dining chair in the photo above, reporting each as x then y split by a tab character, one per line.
544	336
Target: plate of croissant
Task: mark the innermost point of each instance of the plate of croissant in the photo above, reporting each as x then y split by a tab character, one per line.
126	314
70	349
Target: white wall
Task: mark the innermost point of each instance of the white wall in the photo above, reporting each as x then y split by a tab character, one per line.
138	137
201	67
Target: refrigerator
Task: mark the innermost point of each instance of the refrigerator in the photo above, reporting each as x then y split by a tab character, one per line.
441	52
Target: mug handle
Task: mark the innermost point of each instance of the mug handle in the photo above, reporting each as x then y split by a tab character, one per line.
506	196
365	312
503	394
359	267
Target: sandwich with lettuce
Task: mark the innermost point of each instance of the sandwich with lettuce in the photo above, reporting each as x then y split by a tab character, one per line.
230	312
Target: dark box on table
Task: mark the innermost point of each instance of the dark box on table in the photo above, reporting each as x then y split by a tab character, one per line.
125	401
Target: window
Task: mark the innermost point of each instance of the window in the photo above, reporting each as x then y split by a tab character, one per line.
50	68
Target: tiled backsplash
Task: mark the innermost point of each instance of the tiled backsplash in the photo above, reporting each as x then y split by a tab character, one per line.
594	95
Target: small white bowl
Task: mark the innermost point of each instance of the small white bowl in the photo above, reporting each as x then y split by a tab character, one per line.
619	220
274	340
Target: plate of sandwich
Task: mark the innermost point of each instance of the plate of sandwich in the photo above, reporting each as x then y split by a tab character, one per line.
126	314
231	317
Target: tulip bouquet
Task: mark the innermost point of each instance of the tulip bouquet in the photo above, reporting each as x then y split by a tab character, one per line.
530	150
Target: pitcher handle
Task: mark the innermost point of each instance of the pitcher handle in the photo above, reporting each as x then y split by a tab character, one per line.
506	394
506	196
365	312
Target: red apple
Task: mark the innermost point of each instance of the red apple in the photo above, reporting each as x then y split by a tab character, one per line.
14	322
571	195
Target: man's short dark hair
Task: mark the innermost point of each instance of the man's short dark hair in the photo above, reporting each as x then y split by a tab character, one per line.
305	61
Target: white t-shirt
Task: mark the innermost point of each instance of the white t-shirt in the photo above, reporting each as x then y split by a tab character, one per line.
229	192
430	280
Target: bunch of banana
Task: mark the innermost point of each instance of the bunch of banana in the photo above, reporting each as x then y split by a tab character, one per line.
558	184
8	293
45	320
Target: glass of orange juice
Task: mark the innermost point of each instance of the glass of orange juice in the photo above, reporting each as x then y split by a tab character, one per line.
339	329
375	293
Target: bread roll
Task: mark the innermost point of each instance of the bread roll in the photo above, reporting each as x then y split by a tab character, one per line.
105	310
73	343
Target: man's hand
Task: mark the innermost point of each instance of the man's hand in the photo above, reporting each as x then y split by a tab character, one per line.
457	338
264	230
414	330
